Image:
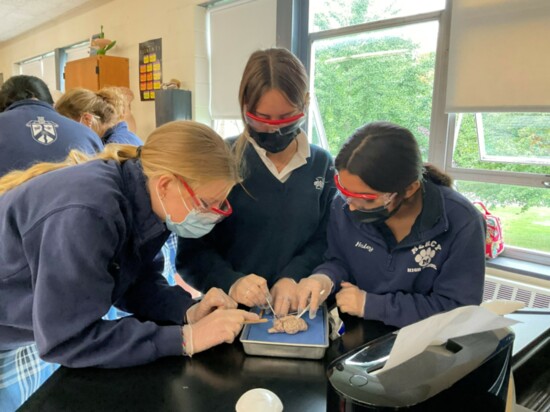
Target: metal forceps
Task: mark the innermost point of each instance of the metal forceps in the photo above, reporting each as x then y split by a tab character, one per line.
269	298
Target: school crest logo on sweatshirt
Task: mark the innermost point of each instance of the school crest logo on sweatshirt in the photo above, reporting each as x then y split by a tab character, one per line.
423	255
43	131
319	183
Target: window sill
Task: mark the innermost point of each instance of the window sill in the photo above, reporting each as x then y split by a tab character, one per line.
520	267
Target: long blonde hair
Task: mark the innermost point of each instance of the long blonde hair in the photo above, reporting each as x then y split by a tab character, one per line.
107	105
184	148
275	68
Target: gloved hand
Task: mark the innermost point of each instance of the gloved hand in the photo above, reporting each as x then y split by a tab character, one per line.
350	299
314	289
217	327
250	290
285	296
214	299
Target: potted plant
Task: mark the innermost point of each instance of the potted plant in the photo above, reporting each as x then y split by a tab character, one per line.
100	44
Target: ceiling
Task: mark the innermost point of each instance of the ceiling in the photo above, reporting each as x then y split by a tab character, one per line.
20	16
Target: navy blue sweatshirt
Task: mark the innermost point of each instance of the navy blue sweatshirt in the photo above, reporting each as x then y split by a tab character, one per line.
276	230
32	131
439	266
120	133
75	241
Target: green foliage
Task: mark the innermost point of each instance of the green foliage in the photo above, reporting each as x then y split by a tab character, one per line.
105	49
361	79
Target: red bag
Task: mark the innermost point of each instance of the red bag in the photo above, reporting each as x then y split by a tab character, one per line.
494	239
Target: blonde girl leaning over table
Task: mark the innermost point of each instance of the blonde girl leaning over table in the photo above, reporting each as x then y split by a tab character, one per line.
78	239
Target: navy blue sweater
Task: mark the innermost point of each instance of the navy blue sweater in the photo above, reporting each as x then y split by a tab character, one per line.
439	266
75	241
276	229
32	131
120	134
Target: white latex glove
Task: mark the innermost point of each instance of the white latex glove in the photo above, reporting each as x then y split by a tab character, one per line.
285	296
217	327
350	299
250	290
313	289
213	299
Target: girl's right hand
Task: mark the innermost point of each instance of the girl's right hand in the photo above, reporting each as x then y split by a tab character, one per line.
222	325
250	290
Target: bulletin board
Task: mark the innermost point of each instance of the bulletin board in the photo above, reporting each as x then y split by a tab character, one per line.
150	68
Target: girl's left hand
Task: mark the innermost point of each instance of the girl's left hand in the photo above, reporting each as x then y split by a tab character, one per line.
213	299
350	299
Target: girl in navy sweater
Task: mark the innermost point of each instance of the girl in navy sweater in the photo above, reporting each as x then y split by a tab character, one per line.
102	111
277	233
76	240
402	244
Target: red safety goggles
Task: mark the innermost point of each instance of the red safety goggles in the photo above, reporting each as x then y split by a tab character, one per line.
224	210
276	122
347	193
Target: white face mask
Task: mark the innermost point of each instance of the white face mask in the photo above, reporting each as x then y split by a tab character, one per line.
196	224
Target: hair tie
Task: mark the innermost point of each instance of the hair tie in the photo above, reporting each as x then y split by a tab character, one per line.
138	151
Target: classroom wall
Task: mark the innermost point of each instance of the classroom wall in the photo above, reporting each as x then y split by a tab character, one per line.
180	23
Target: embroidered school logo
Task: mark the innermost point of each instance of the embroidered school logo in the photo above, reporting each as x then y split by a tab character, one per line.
423	255
319	183
43	131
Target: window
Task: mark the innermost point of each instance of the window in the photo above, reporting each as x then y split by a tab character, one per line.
503	160
230	45
387	60
42	67
383	74
51	66
335	14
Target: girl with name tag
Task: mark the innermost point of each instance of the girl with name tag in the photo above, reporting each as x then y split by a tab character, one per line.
403	245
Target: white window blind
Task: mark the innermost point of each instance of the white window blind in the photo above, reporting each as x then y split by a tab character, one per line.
77	52
42	67
48	71
31	67
236	30
499	56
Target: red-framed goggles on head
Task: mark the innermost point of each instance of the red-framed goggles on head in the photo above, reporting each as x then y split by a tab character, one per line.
347	193
223	210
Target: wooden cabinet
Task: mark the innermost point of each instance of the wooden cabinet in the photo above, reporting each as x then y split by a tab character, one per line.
96	72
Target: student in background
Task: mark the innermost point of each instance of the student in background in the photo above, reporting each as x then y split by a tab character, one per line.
277	233
128	116
403	245
91	241
101	111
32	131
120	132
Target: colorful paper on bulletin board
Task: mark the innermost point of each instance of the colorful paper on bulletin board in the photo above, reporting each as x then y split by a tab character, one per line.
150	68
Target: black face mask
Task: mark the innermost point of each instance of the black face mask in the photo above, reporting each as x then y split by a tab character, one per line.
278	141
378	214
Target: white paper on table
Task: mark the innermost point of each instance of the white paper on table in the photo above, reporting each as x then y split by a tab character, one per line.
436	330
502	307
